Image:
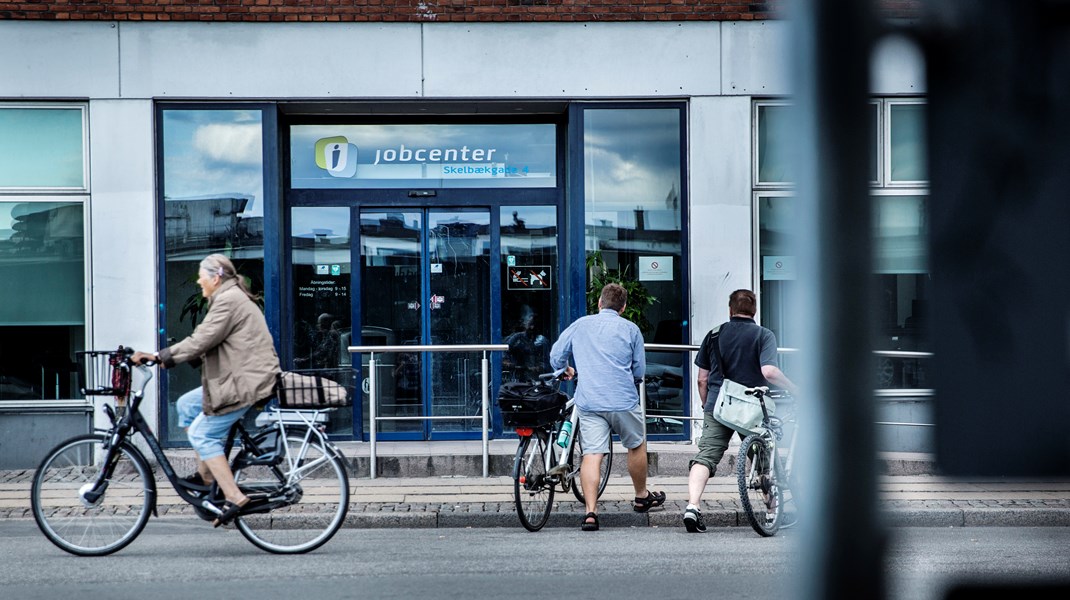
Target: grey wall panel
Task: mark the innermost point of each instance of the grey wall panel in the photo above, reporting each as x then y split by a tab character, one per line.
27	435
755	58
123	236
898	67
572	59
721	229
721	232
273	60
58	60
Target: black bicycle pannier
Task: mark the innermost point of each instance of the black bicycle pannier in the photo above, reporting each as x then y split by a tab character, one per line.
530	404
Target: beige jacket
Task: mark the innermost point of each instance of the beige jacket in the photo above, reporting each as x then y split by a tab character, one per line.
238	353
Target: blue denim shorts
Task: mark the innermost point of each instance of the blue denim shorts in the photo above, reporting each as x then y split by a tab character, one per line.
206	432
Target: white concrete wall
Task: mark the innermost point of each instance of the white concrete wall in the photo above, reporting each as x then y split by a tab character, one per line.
122	209
40	59
583	60
270	60
756	59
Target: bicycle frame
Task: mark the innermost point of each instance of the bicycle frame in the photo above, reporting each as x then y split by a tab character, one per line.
772	436
131	423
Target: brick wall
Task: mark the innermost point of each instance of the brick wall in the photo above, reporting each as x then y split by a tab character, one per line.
420	11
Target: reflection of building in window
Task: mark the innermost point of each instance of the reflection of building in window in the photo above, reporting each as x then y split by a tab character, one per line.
211	222
529	351
43	229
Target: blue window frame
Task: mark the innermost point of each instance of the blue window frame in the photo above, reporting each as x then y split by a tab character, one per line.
629	188
217	191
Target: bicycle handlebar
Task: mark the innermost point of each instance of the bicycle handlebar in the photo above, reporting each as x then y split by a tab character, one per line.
764	391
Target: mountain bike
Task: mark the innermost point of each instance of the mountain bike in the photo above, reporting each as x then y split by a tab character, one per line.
764	477
93	494
542	465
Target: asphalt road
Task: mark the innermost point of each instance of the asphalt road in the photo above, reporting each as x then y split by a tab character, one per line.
179	559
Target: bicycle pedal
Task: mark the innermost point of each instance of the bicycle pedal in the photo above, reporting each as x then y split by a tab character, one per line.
559	470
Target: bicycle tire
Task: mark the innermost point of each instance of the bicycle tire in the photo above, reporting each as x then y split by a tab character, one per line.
77	525
759	489
308	498
604	470
533	490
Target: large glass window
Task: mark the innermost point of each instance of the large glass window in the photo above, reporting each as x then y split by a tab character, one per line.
899	196
529	289
321	298
213	201
42	148
42	250
632	191
42	299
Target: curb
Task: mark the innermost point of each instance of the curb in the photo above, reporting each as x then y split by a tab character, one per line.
715	519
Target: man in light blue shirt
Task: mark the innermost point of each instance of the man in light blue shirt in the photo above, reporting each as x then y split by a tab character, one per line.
608	352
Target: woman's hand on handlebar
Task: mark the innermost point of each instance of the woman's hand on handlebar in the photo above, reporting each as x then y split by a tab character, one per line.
141	358
568	374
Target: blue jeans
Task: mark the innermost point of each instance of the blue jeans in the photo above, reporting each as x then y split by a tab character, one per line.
206	432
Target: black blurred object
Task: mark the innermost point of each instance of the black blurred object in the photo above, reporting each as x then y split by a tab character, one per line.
999	138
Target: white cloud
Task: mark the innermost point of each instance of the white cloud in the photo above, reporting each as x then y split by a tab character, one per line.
233	143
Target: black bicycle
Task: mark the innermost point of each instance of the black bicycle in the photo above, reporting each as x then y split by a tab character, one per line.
548	455
93	494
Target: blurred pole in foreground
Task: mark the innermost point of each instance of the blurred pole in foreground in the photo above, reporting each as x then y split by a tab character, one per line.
999	131
841	543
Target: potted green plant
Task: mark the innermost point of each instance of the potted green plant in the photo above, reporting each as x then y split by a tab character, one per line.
638	296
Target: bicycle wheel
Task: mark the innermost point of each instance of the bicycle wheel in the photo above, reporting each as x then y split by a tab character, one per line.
67	513
759	490
299	504
533	490
575	459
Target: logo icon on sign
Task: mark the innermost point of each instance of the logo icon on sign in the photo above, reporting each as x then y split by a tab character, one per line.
336	156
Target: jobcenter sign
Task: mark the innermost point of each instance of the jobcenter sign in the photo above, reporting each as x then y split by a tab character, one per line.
363	156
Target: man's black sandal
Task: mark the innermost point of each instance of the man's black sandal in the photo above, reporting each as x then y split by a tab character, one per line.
652	500
590	526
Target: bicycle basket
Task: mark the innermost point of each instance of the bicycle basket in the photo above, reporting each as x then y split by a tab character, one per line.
102	373
531	404
314	389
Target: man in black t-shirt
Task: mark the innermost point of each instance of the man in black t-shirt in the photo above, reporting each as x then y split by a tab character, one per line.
748	353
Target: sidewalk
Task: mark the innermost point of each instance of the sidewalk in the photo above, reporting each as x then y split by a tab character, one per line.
474	501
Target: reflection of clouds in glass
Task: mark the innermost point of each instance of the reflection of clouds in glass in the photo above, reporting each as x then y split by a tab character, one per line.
631	157
306	222
614	181
215	153
231	143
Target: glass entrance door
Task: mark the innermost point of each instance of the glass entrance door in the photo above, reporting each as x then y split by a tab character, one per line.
425	279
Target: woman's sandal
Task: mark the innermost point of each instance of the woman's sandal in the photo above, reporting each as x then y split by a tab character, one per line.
652	500
230	510
590	526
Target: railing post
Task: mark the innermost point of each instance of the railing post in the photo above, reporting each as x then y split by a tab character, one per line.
642	401
373	401
486	414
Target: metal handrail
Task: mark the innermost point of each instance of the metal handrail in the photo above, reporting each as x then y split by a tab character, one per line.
373	396
897	393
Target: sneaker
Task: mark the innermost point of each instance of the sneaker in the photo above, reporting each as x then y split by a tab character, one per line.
693	521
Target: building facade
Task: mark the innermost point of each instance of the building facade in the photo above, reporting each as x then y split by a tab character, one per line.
415	173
